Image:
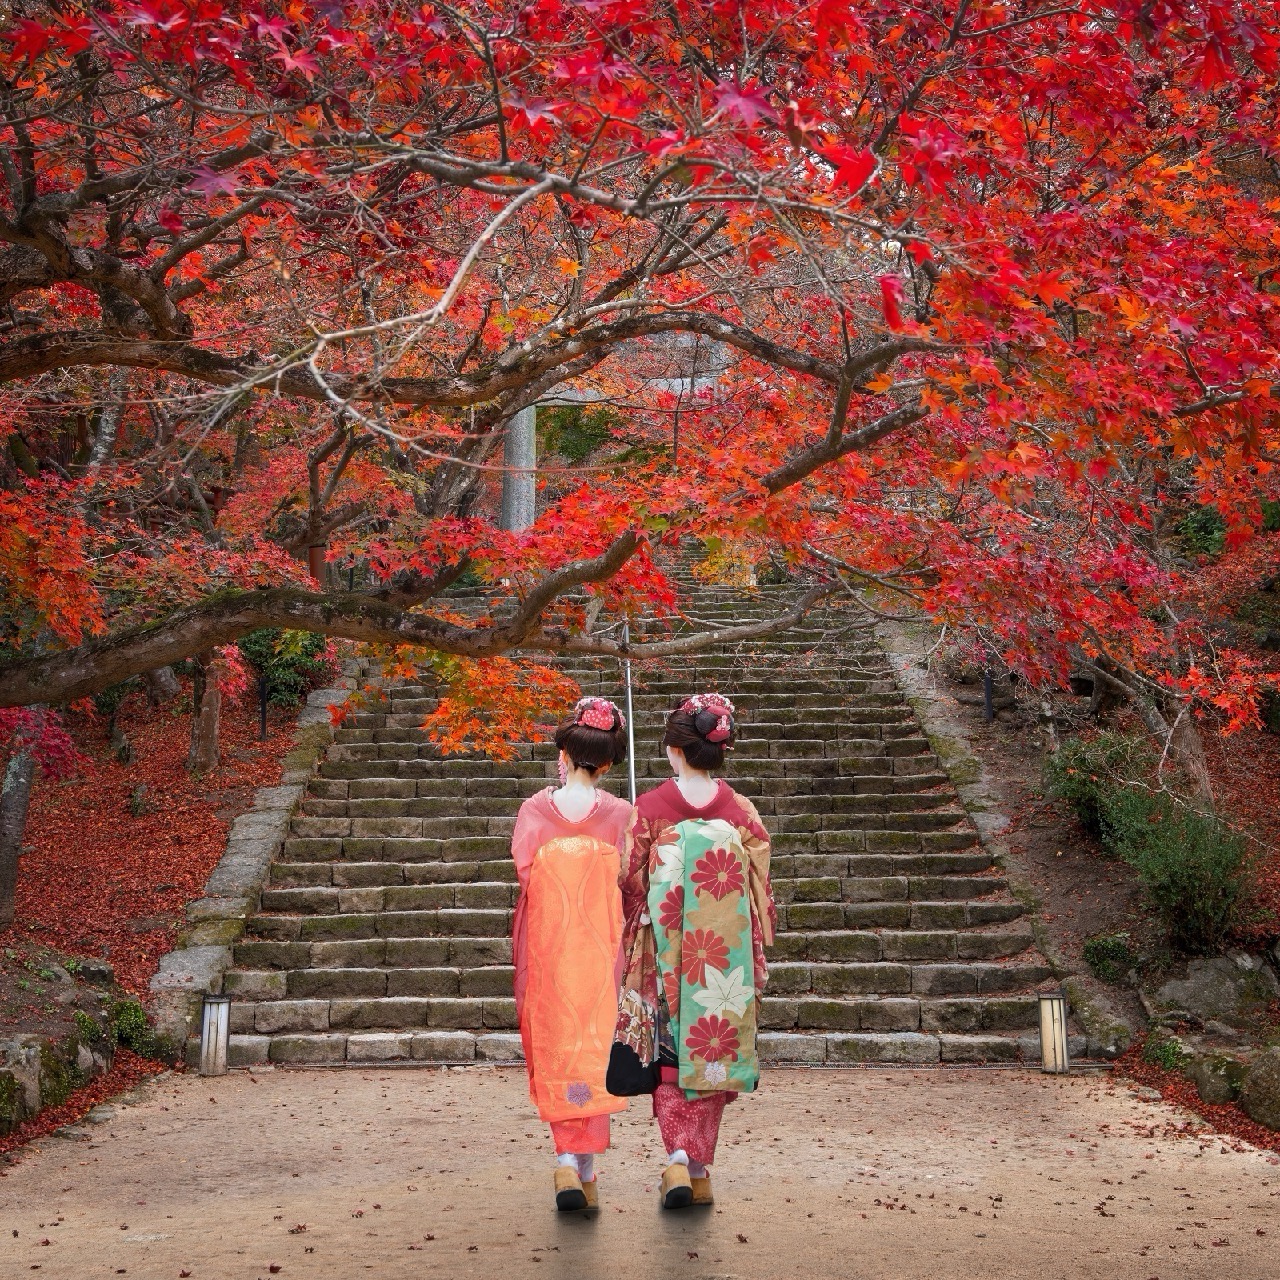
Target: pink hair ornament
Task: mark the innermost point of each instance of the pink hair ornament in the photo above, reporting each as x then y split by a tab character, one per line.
717	705
598	713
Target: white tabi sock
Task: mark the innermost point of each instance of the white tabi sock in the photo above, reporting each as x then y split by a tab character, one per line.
678	1156
697	1170
583	1166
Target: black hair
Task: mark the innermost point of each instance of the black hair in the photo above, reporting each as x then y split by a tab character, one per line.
590	748
688	730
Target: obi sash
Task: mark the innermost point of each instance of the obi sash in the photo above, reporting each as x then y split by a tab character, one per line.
700	907
570	1006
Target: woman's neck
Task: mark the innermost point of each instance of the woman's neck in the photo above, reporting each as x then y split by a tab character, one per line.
697	786
577	796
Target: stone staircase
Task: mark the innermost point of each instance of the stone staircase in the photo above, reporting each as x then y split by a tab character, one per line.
383	933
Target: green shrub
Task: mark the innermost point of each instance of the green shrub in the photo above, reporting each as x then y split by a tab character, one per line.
294	662
1083	772
1203	532
1270	516
1110	956
574	431
1193	866
89	1030
1167	1053
129	1027
1270	712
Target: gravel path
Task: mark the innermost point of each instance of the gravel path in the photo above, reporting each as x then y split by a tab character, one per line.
417	1173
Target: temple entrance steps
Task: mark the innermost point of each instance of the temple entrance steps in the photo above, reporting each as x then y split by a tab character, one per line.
384	931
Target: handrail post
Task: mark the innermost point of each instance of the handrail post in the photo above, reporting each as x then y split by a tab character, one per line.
631	718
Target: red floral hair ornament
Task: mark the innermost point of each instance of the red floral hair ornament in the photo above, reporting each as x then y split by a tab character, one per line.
598	713
717	705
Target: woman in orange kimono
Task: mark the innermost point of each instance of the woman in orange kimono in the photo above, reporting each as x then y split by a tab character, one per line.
566	937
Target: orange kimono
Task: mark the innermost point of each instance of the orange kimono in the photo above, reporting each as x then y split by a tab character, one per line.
567	937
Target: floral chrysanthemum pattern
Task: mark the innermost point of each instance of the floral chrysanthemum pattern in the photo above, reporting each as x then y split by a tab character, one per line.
671	912
718	873
712	1038
703	949
699	899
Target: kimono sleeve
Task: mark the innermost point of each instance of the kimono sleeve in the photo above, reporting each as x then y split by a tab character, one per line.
524	843
634	869
755	841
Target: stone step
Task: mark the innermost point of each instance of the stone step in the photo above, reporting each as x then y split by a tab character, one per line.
906	997
254	954
371	1013
966	1015
466	767
484	816
903	1048
875	794
867	774
351	926
882	959
795	877
871	833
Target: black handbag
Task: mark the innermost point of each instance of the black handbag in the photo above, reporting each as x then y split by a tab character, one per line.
633	1056
627	1076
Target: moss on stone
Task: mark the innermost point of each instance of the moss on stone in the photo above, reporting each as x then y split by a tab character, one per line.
60	1073
11	1103
309	743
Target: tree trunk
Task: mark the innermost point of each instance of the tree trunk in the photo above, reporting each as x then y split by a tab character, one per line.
1179	741
162	685
207	700
14	799
1188	750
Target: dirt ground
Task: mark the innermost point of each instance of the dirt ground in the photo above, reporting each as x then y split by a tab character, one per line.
446	1172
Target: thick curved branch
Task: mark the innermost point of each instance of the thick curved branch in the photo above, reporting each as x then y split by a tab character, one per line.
837	444
553	640
92	667
575	574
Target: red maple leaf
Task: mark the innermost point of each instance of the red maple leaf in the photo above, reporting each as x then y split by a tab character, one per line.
853	166
749	105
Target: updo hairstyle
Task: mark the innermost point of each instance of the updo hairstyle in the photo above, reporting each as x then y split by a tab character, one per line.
589	747
691	722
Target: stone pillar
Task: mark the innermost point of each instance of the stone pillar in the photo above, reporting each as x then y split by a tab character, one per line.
519	479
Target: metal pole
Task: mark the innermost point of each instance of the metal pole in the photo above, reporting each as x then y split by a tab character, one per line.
520	476
631	718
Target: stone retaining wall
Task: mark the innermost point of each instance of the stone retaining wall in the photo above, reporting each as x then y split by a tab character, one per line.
216	921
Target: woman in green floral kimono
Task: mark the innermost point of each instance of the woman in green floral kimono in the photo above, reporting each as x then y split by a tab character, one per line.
698	911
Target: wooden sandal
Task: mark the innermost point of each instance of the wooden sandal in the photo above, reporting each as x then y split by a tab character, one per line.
676	1190
702	1190
569	1193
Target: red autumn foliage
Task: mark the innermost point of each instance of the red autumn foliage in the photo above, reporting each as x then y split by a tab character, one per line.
127	1070
1176	1088
986	284
1246	775
98	881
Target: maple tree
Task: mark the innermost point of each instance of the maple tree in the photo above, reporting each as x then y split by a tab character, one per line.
988	287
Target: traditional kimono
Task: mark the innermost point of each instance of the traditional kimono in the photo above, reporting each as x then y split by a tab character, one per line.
565	936
699	912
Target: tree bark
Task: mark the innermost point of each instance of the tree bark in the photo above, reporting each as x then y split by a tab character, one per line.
15	797
162	685
93	666
1179	741
207	699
